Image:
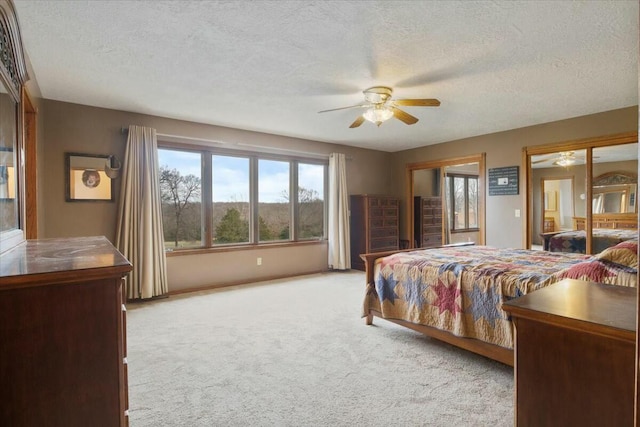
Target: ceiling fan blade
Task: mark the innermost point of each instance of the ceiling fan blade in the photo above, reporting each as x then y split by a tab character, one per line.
417	102
357	122
404	117
344	108
541	161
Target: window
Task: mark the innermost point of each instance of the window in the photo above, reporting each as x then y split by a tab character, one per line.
462	202
310	201
274	211
230	194
180	192
245	198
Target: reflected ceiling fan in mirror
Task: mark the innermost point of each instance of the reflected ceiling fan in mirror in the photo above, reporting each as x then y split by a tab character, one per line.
380	107
563	158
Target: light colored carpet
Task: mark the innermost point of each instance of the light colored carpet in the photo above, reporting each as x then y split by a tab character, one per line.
295	352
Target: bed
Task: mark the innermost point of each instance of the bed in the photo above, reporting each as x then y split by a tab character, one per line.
455	294
576	240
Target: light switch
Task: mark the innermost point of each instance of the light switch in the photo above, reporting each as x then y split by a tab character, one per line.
517	213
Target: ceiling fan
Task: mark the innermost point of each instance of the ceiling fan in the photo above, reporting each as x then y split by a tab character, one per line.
380	107
563	158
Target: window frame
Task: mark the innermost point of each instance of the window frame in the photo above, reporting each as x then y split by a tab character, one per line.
450	177
206	153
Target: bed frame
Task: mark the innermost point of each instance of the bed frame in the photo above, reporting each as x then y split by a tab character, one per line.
614	220
495	352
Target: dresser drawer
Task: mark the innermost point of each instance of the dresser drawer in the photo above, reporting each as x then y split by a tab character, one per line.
429	240
384	232
382	222
391	212
376	212
432	229
383	244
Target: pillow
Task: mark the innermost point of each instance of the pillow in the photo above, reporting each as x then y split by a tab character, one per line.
624	253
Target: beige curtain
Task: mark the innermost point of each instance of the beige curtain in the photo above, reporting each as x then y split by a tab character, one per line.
338	233
139	235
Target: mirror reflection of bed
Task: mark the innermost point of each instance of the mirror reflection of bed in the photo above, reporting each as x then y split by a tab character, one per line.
613	208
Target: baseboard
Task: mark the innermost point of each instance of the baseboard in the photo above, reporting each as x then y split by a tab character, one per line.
243	282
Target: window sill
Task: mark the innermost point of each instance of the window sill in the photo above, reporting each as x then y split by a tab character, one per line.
247	247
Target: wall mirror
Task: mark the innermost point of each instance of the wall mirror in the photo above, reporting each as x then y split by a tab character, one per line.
86	179
446	201
615	192
596	186
558	179
9	219
13	75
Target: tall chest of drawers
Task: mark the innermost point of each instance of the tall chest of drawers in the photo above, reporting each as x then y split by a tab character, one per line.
374	226
428	221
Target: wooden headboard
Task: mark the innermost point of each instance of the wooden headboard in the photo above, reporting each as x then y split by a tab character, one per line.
612	220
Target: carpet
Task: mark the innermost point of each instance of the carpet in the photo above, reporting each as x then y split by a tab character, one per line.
295	352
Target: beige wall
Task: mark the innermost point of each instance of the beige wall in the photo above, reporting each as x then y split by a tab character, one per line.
76	128
503	229
65	127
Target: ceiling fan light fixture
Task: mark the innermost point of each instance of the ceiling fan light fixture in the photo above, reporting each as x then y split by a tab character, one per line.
378	115
566	161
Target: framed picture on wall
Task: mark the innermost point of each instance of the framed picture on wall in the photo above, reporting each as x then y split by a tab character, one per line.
86	180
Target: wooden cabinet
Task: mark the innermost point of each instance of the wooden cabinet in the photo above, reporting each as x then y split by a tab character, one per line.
374	226
575	355
62	334
549	225
427	227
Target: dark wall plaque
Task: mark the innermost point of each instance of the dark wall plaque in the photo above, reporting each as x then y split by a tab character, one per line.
503	181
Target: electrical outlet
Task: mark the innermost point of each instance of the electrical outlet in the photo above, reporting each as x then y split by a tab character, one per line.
259	261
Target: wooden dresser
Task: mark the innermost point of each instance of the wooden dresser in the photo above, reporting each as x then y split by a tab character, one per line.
63	334
374	226
428	222
575	355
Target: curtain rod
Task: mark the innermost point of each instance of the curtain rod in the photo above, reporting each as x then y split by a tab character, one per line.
239	145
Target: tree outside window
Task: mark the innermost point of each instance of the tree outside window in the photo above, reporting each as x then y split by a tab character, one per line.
247	201
180	193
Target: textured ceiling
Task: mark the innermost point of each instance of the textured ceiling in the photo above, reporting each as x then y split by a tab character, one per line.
270	66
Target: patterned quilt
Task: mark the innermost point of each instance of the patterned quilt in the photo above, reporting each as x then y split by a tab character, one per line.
602	238
461	289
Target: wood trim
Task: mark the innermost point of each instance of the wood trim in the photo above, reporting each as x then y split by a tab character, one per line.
494	352
528	199
581	144
29	121
588	205
451	161
482	202
409	211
